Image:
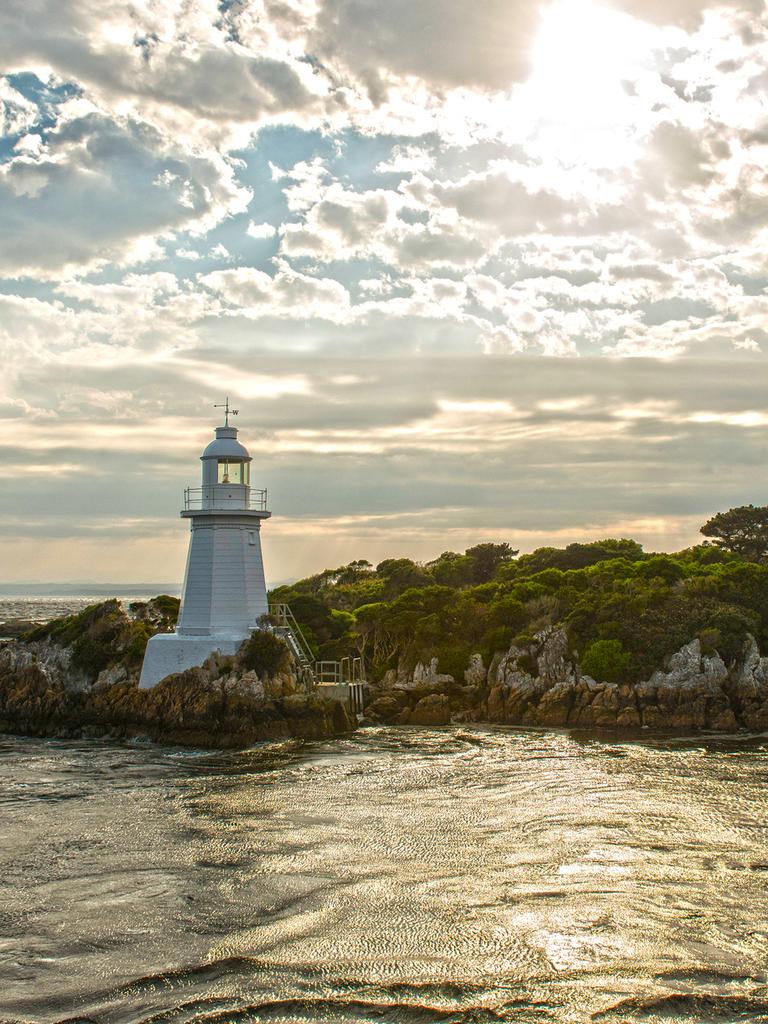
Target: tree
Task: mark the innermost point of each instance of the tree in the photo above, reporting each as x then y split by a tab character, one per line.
486	559
400	574
742	530
452	569
579	556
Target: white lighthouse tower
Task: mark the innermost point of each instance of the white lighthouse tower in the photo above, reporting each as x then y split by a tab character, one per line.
224	590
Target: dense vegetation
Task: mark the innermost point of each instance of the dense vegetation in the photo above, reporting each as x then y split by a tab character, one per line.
624	610
102	635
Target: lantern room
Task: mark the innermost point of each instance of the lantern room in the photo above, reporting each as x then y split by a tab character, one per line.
225	460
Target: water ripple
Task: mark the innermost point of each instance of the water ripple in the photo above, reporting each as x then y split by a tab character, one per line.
400	875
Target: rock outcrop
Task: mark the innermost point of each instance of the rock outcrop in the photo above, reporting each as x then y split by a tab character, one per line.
541	685
45	690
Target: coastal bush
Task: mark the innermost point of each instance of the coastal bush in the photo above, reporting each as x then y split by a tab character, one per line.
606	661
609	590
453	659
710	640
102	635
160	613
578	556
90	655
263	653
69	628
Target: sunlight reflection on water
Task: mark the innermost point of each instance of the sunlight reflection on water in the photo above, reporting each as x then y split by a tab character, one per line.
405	875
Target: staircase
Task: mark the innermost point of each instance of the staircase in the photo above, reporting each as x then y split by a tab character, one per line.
289	630
348	673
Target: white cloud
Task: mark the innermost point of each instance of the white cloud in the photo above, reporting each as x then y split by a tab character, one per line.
253	293
260	230
179	65
134	185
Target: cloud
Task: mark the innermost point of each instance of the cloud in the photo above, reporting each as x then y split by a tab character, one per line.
173	63
441	41
369	221
105	190
523	449
260	230
686	13
496	198
253	293
17	113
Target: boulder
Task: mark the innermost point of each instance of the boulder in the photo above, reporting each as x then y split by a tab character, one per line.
750	687
555	705
427	675
213	705
111	676
433	709
553	656
690	694
386	707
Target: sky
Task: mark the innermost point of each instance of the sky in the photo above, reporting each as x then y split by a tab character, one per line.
469	271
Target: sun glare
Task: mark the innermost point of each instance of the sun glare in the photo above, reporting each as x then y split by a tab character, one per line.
579	99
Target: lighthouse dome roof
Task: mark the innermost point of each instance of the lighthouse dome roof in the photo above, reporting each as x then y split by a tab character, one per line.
226	446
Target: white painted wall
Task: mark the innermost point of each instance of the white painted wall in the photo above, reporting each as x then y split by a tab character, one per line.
168	653
224	587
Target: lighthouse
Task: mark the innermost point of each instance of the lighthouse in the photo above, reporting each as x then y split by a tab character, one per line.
224	591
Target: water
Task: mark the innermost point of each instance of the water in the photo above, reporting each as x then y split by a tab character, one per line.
398	876
44	607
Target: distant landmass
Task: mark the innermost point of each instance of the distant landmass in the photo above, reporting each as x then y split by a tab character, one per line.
85	588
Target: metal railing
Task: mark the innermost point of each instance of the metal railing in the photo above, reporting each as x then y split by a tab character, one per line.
346	672
229	496
284	620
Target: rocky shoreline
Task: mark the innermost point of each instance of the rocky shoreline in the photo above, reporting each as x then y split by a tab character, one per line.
49	688
87	687
541	685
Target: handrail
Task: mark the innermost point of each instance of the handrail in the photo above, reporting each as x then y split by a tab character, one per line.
348	671
214	496
285	618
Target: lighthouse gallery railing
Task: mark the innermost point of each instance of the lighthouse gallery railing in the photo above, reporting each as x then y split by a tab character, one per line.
216	496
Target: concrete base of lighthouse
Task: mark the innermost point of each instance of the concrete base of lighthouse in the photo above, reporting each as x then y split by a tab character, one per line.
168	653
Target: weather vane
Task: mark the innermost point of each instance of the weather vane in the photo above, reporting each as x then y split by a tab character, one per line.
227	411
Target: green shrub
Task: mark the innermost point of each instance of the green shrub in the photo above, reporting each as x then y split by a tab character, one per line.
90	655
606	661
134	642
453	661
497	639
508	611
710	639
661	567
263	653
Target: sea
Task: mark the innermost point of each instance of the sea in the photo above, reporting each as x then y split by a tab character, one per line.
406	875
40	604
397	875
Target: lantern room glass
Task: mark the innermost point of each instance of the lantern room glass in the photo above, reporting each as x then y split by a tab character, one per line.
233	472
